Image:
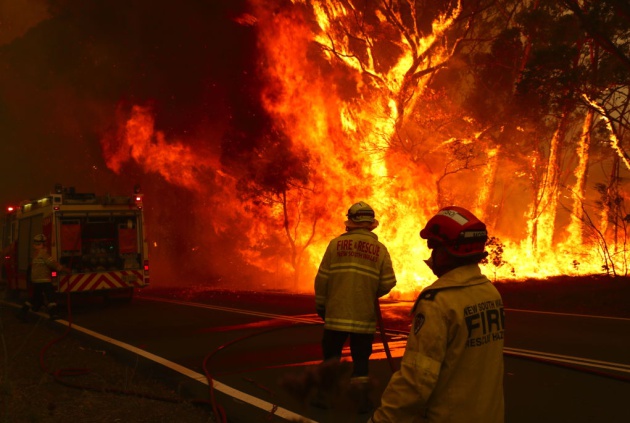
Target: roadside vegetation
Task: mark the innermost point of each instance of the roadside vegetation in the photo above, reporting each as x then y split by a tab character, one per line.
48	377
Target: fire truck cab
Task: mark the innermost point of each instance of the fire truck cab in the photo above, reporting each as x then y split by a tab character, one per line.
101	239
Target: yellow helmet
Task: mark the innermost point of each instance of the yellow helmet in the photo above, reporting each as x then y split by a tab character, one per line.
361	215
40	238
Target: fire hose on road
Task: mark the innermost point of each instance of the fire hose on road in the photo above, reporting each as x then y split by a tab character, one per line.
220	411
385	335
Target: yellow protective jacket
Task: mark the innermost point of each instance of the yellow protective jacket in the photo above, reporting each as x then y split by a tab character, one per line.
452	368
355	271
42	265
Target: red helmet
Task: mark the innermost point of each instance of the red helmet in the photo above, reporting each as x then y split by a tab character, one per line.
458	230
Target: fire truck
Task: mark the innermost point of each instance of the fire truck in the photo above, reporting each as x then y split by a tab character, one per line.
100	239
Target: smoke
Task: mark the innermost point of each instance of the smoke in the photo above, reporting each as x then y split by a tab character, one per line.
77	76
18	17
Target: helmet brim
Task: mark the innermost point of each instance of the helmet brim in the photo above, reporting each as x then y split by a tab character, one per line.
358	225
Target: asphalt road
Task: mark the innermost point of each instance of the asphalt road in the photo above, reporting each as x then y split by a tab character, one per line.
558	367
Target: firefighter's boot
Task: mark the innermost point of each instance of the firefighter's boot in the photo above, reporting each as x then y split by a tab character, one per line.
328	376
322	400
323	376
299	386
359	392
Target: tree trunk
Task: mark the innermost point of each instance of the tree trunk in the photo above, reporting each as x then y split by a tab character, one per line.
545	214
489	176
576	227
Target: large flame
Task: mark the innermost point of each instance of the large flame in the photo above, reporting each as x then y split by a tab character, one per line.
138	140
340	99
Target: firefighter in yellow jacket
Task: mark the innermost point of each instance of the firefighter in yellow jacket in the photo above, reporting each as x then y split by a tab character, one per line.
40	275
355	271
452	368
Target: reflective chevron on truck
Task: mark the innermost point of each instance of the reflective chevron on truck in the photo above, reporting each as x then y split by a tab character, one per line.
99	281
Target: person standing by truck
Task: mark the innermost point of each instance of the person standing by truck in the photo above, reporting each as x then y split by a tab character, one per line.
40	275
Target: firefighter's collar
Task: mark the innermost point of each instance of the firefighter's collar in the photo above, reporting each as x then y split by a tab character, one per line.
361	231
460	276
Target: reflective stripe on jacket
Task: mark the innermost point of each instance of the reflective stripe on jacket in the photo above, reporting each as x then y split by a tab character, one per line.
355	271
42	265
452	368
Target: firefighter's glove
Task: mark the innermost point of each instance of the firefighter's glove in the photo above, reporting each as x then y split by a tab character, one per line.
321	312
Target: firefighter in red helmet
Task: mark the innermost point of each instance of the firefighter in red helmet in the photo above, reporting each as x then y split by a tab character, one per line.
452	368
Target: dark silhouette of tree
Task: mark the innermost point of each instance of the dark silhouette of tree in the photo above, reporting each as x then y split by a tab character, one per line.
273	175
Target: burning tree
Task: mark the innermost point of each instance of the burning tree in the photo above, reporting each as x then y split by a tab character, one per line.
582	62
275	186
447	92
502	107
612	205
495	247
363	67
